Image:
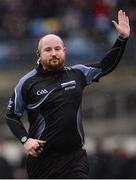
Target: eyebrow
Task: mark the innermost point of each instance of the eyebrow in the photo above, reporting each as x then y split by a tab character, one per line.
53	47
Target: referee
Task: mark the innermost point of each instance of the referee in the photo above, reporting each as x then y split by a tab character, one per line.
51	94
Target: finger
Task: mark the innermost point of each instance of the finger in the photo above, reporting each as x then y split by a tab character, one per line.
127	19
120	15
115	24
33	150
124	17
39	152
41	142
41	145
39	148
33	153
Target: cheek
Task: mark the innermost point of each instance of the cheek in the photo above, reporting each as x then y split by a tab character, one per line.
44	60
44	57
63	55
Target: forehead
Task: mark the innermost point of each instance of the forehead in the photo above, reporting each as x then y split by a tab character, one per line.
50	42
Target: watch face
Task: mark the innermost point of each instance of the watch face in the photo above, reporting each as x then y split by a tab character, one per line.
23	139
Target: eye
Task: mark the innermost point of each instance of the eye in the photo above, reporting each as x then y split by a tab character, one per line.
57	48
47	49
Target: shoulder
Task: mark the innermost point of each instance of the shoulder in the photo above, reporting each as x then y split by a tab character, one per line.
79	68
26	77
82	68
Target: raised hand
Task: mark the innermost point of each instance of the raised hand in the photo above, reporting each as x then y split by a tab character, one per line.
122	26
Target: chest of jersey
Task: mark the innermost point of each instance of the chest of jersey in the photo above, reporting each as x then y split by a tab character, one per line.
54	89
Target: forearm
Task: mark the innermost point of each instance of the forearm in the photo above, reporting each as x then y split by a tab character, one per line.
17	128
112	57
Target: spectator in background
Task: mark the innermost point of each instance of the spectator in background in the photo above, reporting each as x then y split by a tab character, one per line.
99	161
100	12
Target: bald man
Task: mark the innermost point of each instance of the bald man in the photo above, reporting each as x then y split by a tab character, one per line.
51	52
51	94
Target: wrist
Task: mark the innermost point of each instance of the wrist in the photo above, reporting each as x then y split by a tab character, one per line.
122	38
123	35
24	139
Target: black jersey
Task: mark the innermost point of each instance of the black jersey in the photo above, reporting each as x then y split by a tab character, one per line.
52	100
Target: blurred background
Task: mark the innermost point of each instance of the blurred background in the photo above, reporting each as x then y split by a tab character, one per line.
108	106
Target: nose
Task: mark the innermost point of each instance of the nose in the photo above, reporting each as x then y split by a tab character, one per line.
53	52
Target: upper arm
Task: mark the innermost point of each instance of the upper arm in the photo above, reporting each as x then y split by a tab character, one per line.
90	73
16	104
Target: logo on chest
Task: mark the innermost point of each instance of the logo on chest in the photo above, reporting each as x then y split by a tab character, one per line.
69	85
41	92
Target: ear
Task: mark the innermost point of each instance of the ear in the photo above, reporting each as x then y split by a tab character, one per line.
37	53
65	50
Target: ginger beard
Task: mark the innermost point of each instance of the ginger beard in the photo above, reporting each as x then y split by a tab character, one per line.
53	64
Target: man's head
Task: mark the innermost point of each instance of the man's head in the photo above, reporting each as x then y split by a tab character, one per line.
51	52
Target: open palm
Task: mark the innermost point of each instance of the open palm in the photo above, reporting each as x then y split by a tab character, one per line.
122	26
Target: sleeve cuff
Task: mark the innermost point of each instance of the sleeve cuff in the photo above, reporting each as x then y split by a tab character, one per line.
122	38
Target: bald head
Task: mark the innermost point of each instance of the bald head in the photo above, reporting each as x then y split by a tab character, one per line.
51	52
49	38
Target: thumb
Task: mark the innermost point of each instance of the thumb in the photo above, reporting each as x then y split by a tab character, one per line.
41	142
115	24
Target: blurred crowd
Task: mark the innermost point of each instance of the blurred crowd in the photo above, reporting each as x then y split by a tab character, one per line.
116	163
34	18
83	24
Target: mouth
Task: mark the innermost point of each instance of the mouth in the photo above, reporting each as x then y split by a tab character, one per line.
54	59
